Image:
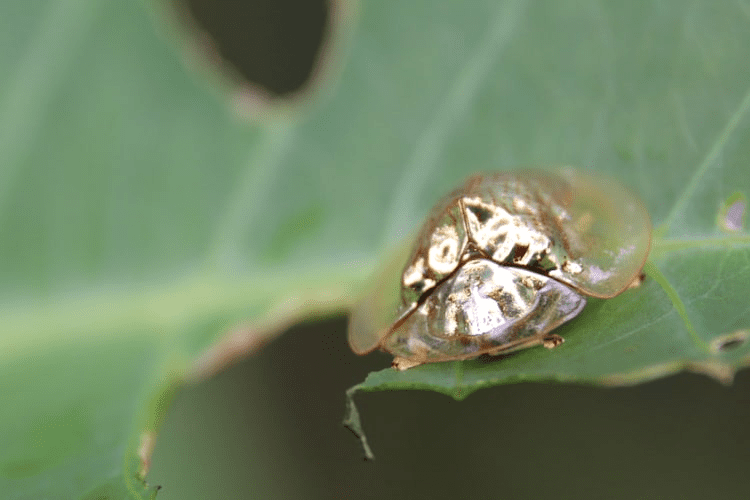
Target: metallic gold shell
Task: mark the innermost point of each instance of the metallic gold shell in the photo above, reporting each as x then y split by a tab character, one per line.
530	242
483	308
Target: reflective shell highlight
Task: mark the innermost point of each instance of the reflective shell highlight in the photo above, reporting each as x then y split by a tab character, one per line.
502	261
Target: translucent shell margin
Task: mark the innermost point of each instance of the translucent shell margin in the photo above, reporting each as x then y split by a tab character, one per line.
580	229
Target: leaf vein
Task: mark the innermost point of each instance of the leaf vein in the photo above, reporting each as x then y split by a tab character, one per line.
628	334
455	104
709	291
651	270
251	191
708	160
36	78
664	246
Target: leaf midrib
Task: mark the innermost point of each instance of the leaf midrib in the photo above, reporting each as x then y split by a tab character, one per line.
664	246
165	308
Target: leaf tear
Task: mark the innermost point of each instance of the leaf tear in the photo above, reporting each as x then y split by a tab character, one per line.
354	423
247	338
721	372
145	450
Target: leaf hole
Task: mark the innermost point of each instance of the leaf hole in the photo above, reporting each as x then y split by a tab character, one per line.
732	213
265	50
731	344
731	341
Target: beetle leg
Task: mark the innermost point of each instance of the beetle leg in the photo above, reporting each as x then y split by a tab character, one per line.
402	364
551	341
637	281
524	343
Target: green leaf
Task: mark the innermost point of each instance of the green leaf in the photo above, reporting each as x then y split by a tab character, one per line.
143	217
665	110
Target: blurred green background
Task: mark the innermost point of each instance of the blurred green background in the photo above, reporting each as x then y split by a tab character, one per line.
151	200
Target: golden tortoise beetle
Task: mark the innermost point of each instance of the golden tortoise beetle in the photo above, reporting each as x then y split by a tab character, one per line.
500	263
